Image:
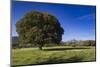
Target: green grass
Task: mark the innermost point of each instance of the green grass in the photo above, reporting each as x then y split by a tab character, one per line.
58	54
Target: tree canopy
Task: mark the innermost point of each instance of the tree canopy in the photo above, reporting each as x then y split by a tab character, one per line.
39	28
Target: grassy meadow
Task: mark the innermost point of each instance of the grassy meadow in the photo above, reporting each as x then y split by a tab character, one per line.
50	55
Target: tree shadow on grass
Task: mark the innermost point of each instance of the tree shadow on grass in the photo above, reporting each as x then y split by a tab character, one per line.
60	49
60	60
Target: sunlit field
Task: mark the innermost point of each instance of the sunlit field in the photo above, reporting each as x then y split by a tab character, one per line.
57	54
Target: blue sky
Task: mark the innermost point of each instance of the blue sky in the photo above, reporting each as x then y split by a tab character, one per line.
78	21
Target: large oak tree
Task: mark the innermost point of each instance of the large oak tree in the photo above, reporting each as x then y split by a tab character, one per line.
39	28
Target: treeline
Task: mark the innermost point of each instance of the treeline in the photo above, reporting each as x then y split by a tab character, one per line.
80	43
15	43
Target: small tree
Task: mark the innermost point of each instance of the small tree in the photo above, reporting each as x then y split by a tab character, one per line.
39	28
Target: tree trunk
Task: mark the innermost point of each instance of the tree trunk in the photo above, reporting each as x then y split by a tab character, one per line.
40	47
